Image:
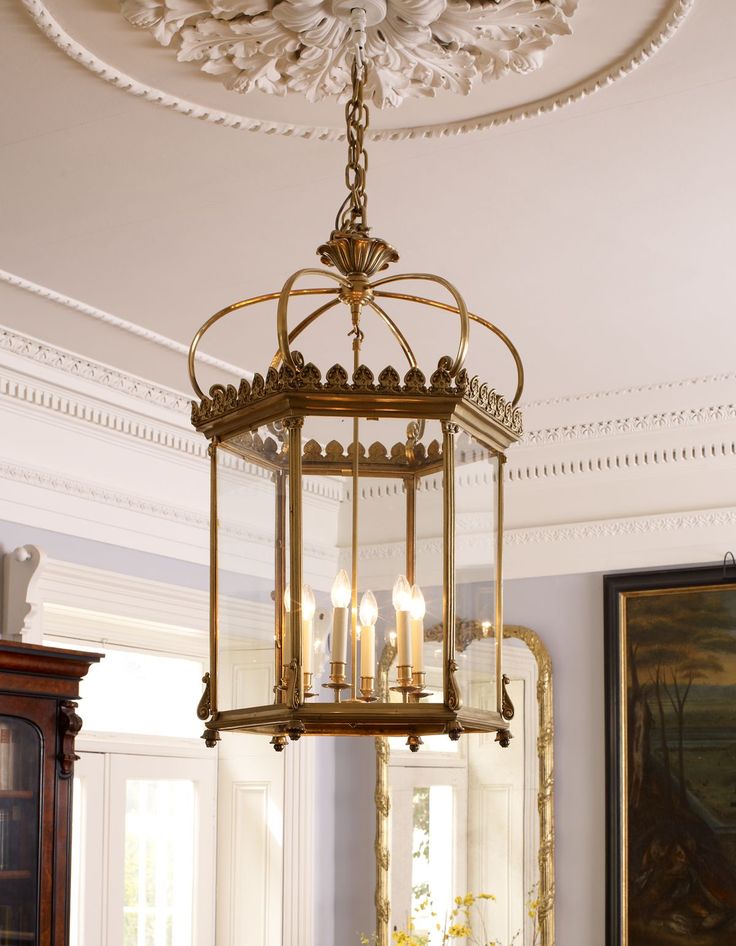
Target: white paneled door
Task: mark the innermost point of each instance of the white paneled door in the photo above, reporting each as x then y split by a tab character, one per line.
143	850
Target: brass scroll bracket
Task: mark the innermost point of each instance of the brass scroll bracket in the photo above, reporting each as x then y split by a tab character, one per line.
507	707
204	707
454	699
292	687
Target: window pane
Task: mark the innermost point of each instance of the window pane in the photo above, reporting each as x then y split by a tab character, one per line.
159	859
171	686
432	859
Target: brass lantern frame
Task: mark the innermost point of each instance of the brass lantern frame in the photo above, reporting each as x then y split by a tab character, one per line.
292	390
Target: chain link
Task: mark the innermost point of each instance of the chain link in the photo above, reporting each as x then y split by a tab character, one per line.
353	212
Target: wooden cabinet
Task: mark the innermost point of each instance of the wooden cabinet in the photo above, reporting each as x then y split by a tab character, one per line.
38	725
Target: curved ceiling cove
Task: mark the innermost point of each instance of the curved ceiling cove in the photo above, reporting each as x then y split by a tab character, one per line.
439	67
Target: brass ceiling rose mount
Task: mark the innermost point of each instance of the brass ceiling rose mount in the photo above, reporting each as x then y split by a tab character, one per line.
278	425
354	253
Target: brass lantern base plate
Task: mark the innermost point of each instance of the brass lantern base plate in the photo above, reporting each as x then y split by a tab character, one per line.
358	719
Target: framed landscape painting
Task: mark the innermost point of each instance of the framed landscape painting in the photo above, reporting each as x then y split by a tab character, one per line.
671	757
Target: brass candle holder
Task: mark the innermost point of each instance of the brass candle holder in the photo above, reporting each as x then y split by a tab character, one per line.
338	681
309	693
419	680
367	690
404	683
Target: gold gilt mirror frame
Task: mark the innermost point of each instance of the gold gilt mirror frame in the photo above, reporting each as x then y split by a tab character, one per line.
467	632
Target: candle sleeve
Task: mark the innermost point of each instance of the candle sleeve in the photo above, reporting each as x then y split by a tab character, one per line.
307	649
417	644
368	651
403	639
339	635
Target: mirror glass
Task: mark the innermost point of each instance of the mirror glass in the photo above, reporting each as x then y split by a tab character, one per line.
465	821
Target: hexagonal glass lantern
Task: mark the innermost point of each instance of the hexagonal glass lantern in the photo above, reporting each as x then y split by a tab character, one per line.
283	440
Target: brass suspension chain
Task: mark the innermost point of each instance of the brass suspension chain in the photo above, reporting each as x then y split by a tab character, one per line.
353	212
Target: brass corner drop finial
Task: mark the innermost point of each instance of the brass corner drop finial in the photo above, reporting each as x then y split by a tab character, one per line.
351	249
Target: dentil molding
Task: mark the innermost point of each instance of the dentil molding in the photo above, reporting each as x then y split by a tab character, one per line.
223	55
564	533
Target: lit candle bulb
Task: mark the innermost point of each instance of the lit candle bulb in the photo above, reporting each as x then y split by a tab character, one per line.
368	613
402	603
309	606
418	610
341	593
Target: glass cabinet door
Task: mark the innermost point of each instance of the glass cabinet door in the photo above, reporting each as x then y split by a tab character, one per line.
20	785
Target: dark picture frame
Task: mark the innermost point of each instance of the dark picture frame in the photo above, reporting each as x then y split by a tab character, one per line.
670	690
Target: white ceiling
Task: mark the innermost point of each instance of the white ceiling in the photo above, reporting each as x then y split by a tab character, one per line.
600	237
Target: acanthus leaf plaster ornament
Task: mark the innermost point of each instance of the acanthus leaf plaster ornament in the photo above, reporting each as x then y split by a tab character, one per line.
419	48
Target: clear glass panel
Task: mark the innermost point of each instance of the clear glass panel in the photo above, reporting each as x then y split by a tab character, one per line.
382	518
249	464
159	862
430	530
476	483
20	786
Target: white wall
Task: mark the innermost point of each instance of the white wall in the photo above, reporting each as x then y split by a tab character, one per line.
567	613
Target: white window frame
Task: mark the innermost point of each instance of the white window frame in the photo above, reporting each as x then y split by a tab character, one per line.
104	766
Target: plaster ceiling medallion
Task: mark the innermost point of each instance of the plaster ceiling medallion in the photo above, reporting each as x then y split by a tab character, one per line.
438	67
416	47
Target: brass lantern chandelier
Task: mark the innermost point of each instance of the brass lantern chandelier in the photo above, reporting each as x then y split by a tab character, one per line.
281	428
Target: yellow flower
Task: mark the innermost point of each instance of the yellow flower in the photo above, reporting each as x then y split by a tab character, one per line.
468	899
458	900
486	896
459	931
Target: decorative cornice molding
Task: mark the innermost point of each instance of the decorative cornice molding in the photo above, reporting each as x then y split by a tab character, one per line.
634	389
620	461
62	360
140	505
147	431
620	427
616	528
665	27
115	321
555	534
176	436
